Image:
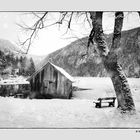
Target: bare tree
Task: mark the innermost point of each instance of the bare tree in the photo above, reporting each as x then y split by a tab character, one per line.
109	57
41	23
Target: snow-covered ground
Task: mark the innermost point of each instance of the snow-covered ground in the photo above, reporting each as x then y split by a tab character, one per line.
79	112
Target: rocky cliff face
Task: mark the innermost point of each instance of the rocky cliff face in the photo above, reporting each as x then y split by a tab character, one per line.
72	58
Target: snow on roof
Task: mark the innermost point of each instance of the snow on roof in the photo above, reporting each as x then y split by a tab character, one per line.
62	71
15	81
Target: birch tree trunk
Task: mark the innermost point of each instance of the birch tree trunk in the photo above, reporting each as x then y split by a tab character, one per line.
110	59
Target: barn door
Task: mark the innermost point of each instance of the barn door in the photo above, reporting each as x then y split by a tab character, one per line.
46	86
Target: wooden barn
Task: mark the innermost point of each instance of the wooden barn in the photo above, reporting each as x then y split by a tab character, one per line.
51	81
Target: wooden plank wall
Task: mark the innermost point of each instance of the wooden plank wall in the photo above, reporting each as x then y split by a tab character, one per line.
51	81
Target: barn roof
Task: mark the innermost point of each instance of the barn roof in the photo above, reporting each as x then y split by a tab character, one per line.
61	70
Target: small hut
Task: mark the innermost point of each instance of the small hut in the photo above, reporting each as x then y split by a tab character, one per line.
51	81
11	87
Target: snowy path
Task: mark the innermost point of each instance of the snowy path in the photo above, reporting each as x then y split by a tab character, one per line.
78	112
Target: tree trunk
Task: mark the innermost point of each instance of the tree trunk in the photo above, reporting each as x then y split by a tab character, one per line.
139	13
110	59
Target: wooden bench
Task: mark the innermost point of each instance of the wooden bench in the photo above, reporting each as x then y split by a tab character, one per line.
109	100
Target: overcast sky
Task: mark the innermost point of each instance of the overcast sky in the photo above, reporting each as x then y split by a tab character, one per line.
53	38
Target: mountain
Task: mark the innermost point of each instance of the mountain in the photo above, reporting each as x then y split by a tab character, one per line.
6	46
37	59
12	58
72	57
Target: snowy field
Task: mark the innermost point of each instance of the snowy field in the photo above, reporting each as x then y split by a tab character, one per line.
79	112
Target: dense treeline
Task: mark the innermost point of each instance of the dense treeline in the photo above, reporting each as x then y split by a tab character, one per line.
9	62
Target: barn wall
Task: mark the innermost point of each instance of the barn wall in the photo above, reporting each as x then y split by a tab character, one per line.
50	81
64	86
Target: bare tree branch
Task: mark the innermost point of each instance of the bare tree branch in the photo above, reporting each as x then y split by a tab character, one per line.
92	33
41	23
69	23
88	20
62	18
